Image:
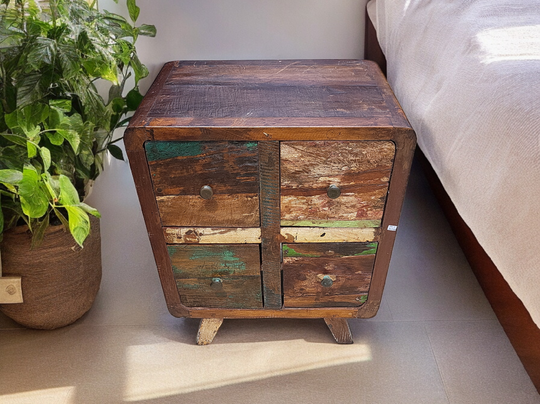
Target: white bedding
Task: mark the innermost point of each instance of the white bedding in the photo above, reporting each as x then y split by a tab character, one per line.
467	74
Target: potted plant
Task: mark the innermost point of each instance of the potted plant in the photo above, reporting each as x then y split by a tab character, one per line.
55	127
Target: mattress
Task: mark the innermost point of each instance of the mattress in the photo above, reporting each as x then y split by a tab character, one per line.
467	74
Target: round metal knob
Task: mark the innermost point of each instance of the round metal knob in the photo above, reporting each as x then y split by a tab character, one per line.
206	192
327	281
217	283
333	191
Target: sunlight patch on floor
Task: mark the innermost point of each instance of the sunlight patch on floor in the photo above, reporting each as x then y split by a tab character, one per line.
161	370
57	395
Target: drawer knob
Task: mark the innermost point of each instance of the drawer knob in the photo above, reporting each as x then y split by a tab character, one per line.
217	283
327	281
206	192
333	191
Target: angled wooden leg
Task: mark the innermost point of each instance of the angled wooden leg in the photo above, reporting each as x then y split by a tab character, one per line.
208	330
340	330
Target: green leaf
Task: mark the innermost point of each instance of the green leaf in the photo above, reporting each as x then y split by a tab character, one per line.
13	157
79	223
123	122
71	136
133	9
12	177
34	199
42	51
17	139
32	150
115	151
133	99
46	157
147	30
61	105
62	218
68	194
117	105
55	138
29	89
39	232
28	119
12	120
139	69
89	209
52	186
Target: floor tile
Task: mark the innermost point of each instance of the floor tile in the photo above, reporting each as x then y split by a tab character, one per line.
258	360
478	364
429	277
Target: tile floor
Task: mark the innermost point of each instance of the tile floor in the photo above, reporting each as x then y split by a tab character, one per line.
435	339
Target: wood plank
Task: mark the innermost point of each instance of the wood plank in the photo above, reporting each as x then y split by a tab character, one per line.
348	267
236	210
354	300
205	235
327	235
240	292
270	225
208	329
328	250
331	72
360	169
134	139
360	208
165	129
190	261
285	312
182	168
340	330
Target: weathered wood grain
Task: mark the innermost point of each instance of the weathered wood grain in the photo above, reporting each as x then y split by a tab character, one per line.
208	329
236	210
327	235
184	167
340	330
205	235
217	275
180	169
270	244
349	266
134	139
360	169
240	292
327	301
190	261
261	114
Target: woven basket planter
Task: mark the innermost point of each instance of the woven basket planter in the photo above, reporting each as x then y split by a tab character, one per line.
60	280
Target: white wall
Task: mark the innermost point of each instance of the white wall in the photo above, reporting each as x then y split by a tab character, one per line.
205	29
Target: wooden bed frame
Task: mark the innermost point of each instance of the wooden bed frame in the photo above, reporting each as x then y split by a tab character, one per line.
516	321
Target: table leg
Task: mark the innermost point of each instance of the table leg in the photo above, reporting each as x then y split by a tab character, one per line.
340	330
208	330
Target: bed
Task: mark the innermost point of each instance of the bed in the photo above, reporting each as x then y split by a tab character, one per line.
467	75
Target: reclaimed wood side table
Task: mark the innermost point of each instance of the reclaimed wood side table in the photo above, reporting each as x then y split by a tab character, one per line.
271	188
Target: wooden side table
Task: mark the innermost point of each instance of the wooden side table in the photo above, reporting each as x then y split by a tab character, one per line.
271	188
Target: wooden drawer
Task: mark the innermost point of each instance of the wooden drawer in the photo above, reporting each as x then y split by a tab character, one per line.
359	169
327	274
179	170
226	276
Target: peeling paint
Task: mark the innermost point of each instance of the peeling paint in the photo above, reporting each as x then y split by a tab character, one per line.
162	150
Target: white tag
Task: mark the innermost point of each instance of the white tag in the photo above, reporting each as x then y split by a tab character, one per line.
392	227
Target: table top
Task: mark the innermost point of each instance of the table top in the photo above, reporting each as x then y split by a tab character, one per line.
306	94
